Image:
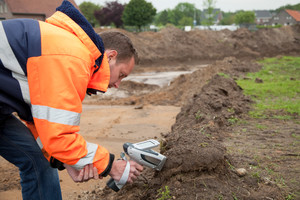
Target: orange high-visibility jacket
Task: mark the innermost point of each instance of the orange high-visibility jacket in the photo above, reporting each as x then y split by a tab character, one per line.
46	68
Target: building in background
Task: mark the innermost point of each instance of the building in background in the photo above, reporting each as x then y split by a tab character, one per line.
34	9
262	16
216	15
285	17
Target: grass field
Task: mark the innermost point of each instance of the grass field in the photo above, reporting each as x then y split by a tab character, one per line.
275	88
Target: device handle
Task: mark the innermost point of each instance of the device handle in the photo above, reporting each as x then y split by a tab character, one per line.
117	185
111	183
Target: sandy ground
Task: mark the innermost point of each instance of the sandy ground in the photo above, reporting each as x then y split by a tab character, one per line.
110	126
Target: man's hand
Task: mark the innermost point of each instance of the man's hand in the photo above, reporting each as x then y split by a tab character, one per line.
118	168
85	174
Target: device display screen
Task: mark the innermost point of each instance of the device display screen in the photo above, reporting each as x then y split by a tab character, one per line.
149	144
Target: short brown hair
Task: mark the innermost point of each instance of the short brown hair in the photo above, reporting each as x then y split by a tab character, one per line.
115	40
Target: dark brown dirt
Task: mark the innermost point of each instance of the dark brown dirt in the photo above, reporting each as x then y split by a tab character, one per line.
172	45
269	149
204	148
207	145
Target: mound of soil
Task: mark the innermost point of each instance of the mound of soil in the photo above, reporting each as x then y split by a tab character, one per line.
182	89
137	88
198	166
172	45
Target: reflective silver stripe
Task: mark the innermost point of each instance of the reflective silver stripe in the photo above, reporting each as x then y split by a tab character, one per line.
10	62
88	159
124	176
23	82
39	142
56	115
7	56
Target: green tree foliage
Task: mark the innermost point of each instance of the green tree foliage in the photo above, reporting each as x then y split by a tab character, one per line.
209	6
228	18
182	10
111	13
245	17
181	15
88	9
198	16
186	21
162	18
138	13
292	7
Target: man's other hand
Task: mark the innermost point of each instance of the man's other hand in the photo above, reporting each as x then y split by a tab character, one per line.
85	174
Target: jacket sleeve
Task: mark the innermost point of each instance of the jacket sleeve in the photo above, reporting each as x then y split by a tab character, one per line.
57	86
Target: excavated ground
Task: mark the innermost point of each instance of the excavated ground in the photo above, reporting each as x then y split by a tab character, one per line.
204	147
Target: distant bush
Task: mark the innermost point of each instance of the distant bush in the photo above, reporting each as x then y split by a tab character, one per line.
269	26
244	17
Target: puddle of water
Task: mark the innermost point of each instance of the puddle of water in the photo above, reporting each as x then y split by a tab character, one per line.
161	79
156	78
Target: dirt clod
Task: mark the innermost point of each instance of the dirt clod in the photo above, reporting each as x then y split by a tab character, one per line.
241	172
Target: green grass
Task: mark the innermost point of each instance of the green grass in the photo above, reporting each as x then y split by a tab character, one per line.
280	90
164	194
294	135
198	115
233	120
263	27
224	75
290	196
261	127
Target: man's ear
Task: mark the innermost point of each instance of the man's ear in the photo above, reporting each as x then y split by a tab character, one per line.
111	54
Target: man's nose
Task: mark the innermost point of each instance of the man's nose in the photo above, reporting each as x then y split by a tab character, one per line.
117	84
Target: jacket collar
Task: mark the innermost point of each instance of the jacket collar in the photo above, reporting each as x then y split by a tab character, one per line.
68	9
100	78
62	20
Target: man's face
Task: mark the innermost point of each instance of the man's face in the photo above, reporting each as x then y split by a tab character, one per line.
119	70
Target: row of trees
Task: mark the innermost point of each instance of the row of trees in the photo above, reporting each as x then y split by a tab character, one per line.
136	13
186	14
183	14
140	13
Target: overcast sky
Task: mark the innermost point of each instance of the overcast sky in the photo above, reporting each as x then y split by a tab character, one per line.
224	5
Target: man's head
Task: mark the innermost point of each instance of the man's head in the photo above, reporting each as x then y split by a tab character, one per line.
121	56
